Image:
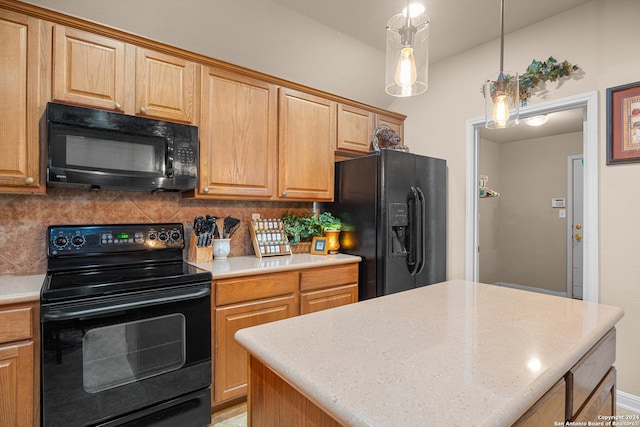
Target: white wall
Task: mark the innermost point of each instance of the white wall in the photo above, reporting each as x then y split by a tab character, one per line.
601	37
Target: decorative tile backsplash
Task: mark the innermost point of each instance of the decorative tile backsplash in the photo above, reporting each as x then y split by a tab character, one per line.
25	218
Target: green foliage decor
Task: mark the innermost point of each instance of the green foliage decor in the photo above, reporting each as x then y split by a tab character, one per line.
537	72
303	227
543	71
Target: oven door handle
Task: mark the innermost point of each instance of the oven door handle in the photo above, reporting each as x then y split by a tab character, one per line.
84	310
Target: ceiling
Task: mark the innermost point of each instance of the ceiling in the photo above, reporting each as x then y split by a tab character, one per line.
456	25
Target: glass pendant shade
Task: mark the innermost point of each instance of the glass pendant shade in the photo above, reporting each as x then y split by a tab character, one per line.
502	100
407	55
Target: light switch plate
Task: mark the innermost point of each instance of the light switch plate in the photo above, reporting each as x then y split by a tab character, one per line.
562	213
557	202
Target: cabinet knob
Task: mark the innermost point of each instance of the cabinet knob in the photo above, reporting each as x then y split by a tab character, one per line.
205	189
284	194
29	180
143	110
118	106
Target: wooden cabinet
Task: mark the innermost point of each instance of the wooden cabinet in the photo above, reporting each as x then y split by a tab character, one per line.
396	124
329	287
355	129
239	131
89	69
19	390
602	403
230	371
306	141
24	87
548	409
165	86
101	72
253	300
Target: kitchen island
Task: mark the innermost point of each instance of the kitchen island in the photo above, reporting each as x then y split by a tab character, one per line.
455	353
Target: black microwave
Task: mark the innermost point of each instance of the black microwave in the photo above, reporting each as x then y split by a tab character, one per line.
106	150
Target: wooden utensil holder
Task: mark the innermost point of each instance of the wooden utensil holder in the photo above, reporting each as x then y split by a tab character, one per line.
196	254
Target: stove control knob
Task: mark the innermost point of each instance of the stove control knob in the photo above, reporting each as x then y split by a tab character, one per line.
163	236
77	241
60	241
153	235
175	235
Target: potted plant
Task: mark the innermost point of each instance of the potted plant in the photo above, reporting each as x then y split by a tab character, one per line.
331	227
301	228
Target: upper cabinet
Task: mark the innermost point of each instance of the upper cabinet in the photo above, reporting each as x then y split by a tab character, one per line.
355	128
306	141
96	71
24	88
394	123
88	69
165	86
238	134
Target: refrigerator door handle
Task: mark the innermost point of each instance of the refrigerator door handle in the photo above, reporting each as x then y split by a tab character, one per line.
415	229
422	261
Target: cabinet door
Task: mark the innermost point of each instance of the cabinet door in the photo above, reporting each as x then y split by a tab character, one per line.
230	359
16	384
21	103
548	409
307	137
395	124
602	402
328	298
88	69
355	128
238	136
165	86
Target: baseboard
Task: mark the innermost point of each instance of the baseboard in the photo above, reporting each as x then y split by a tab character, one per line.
531	289
628	401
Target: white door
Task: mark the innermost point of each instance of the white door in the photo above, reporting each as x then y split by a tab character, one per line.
574	225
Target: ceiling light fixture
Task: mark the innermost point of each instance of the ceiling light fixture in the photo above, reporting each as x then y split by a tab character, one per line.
501	92
537	120
407	52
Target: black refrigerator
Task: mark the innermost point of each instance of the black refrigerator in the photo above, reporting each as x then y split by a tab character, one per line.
393	207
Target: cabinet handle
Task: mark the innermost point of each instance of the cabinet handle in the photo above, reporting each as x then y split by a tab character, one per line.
143	110
118	106
29	180
205	189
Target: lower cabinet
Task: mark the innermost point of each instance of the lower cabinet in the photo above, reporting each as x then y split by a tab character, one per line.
19	389
242	302
586	393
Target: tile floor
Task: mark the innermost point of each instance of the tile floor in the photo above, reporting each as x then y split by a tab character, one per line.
236	416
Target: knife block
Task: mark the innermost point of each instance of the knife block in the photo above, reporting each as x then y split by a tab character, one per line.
196	254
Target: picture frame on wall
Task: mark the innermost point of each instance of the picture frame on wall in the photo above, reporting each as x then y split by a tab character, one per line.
319	246
623	124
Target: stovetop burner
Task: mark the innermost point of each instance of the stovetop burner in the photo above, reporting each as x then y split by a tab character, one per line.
97	260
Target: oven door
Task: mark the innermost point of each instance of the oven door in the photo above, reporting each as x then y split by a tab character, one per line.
107	358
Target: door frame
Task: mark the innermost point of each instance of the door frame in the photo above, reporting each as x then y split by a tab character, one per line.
570	224
588	101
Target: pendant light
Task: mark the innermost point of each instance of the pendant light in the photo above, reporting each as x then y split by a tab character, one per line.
501	92
407	53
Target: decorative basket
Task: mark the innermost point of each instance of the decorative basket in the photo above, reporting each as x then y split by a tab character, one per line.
301	248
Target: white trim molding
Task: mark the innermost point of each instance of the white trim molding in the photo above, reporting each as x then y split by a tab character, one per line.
589	102
628	401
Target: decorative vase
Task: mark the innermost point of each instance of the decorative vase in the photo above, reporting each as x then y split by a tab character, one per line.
333	240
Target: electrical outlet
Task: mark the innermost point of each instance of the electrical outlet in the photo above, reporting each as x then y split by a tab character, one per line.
562	213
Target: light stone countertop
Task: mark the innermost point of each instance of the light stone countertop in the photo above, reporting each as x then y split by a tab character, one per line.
20	288
251	265
456	353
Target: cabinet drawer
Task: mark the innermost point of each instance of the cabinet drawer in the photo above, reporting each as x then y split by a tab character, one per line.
231	291
328	277
583	378
16	324
328	298
547	410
